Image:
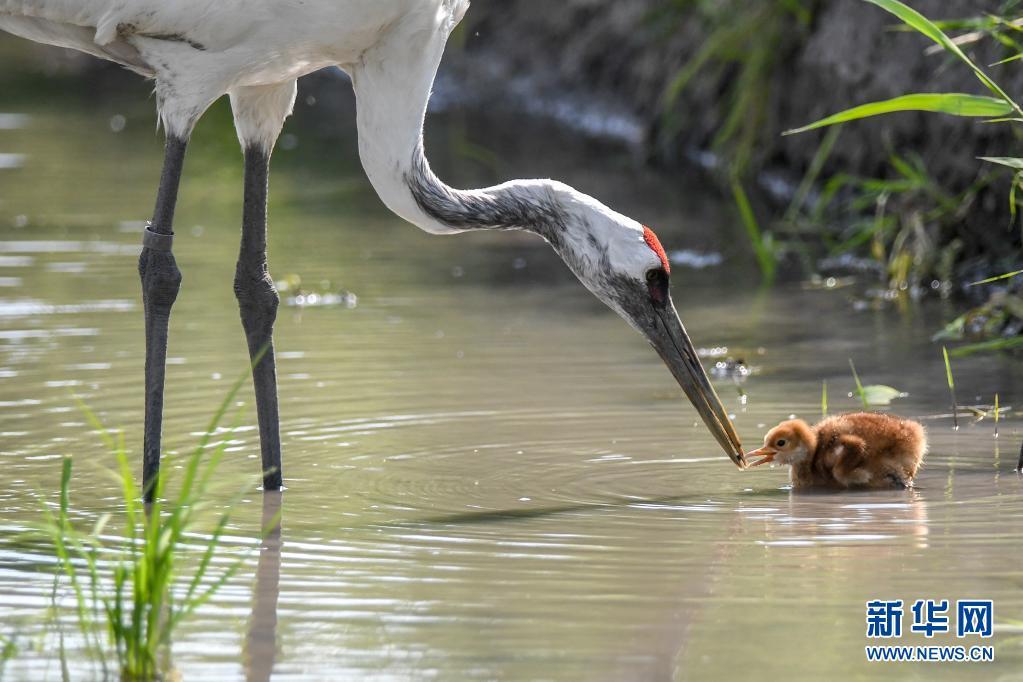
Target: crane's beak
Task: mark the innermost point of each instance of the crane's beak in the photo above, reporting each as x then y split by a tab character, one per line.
670	340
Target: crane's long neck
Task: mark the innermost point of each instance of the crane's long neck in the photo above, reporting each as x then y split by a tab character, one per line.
392	85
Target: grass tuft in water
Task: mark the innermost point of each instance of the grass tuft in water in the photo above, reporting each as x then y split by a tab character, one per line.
951	389
130	586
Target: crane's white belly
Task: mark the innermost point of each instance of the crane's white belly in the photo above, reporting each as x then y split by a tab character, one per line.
242	42
198	50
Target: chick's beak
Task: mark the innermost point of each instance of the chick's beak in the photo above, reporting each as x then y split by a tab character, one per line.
765	453
670	340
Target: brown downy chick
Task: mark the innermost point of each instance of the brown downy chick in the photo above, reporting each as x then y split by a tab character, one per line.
859	450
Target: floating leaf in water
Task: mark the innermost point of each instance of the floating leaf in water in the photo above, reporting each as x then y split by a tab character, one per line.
876	395
880	395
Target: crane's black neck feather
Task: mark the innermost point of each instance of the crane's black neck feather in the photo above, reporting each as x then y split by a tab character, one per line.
503	208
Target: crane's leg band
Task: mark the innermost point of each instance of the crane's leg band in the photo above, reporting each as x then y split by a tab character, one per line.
155	241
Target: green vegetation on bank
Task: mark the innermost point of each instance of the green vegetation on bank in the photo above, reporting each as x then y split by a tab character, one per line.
997	107
904	225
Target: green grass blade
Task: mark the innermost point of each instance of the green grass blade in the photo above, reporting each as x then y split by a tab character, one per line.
192	467
956	104
1010	343
859	386
1013	58
207	557
95	422
1008	161
996	415
813	173
1013	205
951	388
1008	275
761	242
948	369
824	399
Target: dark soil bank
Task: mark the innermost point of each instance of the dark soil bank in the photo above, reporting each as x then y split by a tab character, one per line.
847	53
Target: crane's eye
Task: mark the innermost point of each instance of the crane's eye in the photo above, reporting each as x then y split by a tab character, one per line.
657	285
780	442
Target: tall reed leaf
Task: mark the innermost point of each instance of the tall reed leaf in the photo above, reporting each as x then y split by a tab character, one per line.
956	104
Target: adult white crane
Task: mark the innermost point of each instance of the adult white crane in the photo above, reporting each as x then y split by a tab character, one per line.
254	50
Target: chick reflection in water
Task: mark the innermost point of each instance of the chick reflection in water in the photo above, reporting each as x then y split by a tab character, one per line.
860	450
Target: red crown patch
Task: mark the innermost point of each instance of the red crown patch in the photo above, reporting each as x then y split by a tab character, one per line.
655	245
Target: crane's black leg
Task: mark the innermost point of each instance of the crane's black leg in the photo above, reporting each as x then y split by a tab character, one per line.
257	301
161	281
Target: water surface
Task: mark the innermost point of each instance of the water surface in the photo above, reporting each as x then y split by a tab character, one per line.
489	475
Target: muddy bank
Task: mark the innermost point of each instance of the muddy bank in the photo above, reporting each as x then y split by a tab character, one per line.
623	54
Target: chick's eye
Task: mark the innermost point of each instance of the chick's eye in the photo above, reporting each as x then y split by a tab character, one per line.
657	285
780	442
